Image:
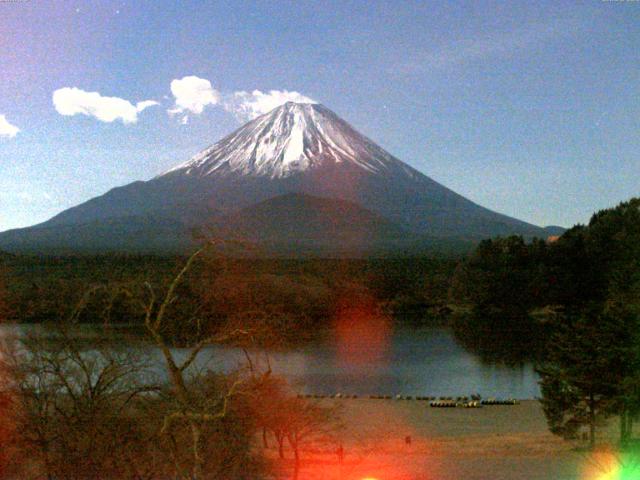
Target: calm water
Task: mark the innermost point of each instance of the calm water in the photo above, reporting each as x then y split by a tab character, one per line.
427	362
424	362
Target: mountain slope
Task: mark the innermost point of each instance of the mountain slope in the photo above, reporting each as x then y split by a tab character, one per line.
304	149
126	234
300	219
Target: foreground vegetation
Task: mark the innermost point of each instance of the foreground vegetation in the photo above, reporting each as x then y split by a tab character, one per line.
572	305
74	410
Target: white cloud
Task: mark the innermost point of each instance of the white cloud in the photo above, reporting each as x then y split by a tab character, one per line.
73	101
192	94
247	106
140	106
6	129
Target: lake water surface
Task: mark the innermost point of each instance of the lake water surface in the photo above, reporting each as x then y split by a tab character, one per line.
425	362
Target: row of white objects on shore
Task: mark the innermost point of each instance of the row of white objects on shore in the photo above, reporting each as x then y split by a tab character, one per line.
437	402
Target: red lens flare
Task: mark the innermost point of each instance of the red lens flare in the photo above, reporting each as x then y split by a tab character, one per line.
362	329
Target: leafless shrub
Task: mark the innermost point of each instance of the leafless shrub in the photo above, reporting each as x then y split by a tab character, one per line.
73	407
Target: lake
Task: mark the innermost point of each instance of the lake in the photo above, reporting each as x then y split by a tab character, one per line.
425	362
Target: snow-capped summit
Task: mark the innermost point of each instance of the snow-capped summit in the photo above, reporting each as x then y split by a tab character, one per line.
292	138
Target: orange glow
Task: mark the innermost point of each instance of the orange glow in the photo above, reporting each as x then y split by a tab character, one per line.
362	330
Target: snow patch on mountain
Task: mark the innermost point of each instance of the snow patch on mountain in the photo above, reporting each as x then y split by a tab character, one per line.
292	138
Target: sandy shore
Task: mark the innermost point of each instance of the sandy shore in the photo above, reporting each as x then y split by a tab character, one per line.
493	442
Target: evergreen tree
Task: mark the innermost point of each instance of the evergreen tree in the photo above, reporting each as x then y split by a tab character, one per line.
590	359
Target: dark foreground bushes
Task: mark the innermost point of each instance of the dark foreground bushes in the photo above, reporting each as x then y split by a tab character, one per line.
69	412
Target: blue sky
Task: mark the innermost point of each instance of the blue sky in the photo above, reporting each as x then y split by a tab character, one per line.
529	108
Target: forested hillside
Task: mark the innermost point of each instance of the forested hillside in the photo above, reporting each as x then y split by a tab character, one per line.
573	305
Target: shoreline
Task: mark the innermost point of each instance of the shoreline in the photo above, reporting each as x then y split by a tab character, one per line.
407	440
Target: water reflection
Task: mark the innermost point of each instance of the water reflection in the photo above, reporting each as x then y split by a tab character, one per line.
418	362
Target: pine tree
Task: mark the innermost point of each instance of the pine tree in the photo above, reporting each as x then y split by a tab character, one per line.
583	377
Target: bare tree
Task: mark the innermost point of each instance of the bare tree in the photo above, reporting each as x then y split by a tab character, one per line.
74	406
301	423
309	423
191	408
84	408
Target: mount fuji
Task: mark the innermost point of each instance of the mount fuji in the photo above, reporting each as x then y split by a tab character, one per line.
296	179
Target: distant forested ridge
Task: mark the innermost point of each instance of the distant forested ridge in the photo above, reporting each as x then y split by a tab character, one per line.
305	291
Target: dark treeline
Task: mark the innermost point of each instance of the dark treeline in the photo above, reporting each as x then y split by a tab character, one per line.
304	291
513	288
573	305
500	287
